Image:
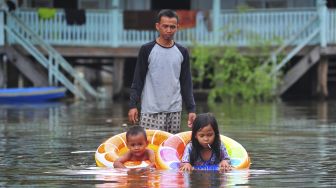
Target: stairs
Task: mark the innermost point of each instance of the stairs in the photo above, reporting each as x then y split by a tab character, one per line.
310	32
296	72
27	67
59	70
332	72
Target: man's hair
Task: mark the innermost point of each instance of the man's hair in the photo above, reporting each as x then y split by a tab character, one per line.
168	13
134	130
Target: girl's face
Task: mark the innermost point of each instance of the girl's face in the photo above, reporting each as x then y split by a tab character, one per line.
205	136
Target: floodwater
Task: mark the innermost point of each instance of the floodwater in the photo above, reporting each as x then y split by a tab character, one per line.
291	144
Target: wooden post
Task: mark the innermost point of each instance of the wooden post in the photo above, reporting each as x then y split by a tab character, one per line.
115	22
323	17
322	78
2	73
322	74
2	31
216	7
322	110
118	75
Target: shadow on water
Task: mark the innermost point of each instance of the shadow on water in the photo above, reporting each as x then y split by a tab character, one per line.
291	144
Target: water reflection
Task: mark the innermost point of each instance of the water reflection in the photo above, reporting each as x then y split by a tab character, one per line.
108	177
291	144
216	179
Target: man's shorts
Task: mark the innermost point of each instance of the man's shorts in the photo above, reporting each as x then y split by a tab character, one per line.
170	122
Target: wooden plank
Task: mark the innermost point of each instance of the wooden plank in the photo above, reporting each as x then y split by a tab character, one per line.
132	52
101	52
28	68
295	73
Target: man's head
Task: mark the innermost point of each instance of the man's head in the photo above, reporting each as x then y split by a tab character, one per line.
167	24
166	13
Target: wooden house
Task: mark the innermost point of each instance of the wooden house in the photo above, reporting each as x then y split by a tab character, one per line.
90	46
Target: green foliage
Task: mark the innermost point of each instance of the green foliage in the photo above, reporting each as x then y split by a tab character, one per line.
235	76
203	56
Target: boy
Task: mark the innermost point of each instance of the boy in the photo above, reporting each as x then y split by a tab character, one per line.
137	143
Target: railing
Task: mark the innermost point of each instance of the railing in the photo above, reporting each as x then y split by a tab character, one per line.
95	32
237	28
331	36
53	61
241	29
301	38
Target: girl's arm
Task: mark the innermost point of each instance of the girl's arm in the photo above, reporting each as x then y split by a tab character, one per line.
151	157
224	165
186	167
119	163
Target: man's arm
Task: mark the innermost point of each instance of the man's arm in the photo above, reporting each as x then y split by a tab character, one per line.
186	83
139	77
187	88
138	82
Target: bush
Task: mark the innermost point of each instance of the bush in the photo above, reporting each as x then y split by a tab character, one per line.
235	76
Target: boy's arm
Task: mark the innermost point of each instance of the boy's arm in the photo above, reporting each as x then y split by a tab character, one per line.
119	163
151	156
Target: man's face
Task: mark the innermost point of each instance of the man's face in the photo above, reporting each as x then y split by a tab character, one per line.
167	27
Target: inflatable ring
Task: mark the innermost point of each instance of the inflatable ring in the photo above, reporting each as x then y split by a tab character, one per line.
170	152
114	147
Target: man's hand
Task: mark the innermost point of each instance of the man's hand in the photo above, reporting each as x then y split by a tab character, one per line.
133	115
191	118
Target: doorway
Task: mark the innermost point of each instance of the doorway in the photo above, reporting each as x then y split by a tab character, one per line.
331	4
171	4
68	4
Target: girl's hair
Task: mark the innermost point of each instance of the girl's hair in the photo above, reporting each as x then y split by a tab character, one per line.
202	120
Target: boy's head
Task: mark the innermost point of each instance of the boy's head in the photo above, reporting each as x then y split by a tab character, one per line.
136	140
135	130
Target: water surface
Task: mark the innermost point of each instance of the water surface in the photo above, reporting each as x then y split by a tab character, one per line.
291	144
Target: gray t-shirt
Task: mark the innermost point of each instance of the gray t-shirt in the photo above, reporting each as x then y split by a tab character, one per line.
163	74
162	79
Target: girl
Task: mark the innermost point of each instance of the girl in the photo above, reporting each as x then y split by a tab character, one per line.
205	147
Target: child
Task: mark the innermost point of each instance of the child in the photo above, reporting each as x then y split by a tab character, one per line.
137	143
205	147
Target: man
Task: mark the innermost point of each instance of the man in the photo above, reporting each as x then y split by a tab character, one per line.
162	79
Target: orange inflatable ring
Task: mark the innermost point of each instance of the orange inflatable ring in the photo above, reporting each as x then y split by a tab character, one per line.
114	147
170	152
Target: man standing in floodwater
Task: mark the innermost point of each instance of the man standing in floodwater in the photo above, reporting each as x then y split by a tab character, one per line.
162	79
